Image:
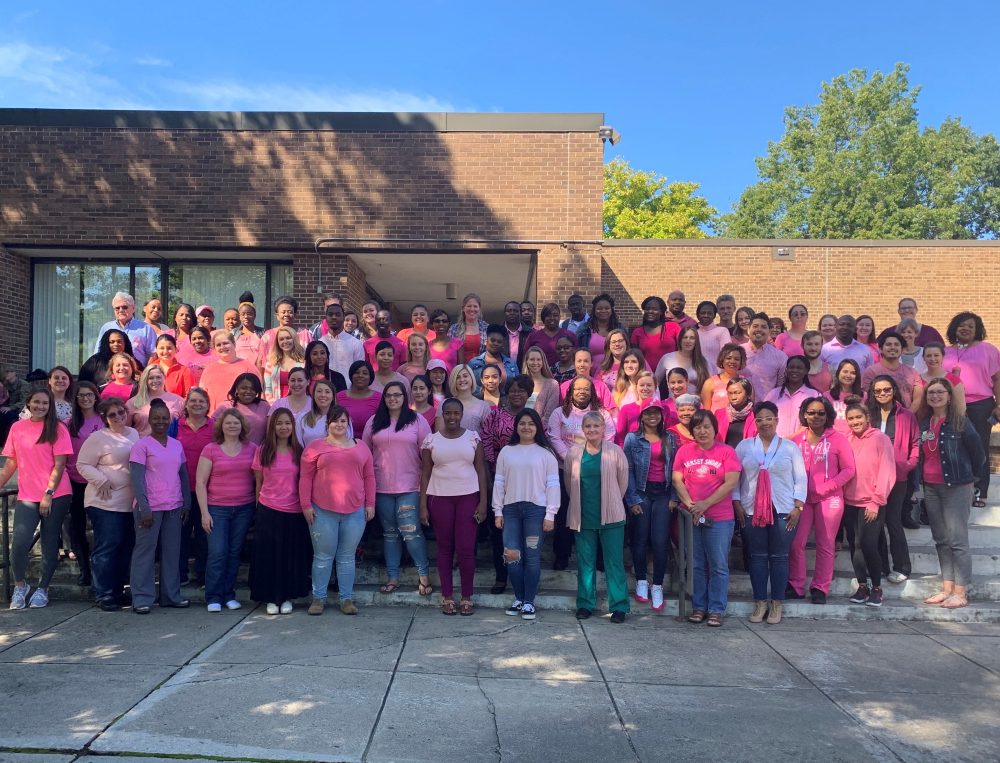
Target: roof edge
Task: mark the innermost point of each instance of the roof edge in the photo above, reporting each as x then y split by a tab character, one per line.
810	243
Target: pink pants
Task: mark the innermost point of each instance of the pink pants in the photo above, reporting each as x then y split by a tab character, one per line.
823	518
454	522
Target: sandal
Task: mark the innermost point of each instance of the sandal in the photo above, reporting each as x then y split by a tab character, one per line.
979	503
448	607
955	601
465	608
697	617
425	589
715	620
389	587
937	598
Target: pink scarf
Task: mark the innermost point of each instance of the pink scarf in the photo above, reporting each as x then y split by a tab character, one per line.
763	503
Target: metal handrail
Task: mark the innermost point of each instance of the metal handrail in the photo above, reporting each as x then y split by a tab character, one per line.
5	502
685	562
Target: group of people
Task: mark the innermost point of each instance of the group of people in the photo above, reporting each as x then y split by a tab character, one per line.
173	441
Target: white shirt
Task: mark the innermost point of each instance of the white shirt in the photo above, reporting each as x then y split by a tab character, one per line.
786	466
344	349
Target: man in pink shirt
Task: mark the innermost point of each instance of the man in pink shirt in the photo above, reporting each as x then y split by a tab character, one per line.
583	362
712	336
675	310
383	329
844	345
765	363
911	386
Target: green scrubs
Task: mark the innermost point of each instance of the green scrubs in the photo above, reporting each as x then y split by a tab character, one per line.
612	540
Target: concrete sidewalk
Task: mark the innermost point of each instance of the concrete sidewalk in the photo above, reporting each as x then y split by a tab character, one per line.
407	684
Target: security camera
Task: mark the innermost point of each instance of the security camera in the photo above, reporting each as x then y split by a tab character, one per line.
609	134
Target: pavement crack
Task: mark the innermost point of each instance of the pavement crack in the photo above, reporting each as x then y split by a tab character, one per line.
472	635
388	688
611	696
492	709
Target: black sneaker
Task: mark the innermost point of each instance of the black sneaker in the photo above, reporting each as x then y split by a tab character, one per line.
817	596
861	595
791	593
582	614
617	617
109	605
874	598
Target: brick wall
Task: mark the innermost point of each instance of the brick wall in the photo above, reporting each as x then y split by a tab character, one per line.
15	310
835	277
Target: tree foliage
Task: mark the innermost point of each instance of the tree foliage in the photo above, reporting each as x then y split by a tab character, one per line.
857	165
641	204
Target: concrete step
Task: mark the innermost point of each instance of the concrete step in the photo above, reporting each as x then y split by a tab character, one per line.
923	559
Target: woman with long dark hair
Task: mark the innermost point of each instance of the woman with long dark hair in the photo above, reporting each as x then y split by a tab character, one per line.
593	333
85	421
97	368
656	336
845	389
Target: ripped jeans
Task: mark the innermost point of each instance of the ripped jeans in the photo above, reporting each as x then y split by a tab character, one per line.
399	514
522	538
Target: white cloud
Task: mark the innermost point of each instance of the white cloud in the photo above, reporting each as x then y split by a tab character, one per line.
35	76
229	95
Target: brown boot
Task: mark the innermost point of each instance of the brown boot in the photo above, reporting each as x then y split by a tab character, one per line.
348	607
317	607
759	611
774	614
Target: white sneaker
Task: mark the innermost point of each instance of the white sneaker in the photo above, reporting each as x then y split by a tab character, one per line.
657	598
233	604
528	612
39	599
642	591
286	607
897	577
214	607
515	608
272	608
19	598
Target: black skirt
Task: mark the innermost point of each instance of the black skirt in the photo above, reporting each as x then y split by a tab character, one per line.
282	560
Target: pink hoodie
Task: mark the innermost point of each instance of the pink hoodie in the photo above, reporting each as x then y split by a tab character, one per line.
829	466
875	464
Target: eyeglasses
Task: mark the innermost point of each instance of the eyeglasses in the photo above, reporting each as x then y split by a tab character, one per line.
119	414
86	396
883	391
392	395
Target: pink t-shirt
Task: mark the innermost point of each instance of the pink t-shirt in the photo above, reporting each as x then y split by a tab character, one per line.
256	416
231	482
279	487
931	451
336	479
454	471
977	366
35	461
657	469
788	344
194	442
655	346
114	389
90	425
449	355
359	410
398	358
218	379
704	471
163	468
396	455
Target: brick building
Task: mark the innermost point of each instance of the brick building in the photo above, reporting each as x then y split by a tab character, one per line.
415	207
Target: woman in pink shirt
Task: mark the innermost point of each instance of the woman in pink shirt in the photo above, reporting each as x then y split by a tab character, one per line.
162	498
219	376
385	363
418	353
736	420
790	396
282	548
37	449
394	436
337	496
829	466
819	373
194	431
732	360
121	371
705	473
84	422
225	489
298	400
790	341
656	336
462	383
545	395
615	347
827	327
933	357
632	364
197	354
246	396
592	334
151	387
285	354
743	318
453	498
444	347
359	399
689	356
845	388
865	498
627	418
103	461
977	363
421	401
866	334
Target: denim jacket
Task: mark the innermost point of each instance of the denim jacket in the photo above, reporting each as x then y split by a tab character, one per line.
637	453
962	453
479	363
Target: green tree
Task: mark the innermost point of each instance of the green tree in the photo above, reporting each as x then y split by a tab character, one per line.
641	204
857	165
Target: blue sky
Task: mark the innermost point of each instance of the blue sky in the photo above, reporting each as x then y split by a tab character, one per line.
695	90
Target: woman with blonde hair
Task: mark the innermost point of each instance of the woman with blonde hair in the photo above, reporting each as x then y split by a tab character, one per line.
615	346
545	397
470	328
462	383
152	386
632	364
286	353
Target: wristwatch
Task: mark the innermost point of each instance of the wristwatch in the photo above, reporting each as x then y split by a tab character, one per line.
50	492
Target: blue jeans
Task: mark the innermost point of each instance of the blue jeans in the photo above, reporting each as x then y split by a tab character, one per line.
111	556
522	533
711	566
769	557
399	514
335	536
229	530
652	527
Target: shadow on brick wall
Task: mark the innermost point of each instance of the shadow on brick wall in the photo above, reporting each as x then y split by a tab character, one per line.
626	307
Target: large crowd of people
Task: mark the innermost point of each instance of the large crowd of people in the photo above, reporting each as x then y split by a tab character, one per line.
172	441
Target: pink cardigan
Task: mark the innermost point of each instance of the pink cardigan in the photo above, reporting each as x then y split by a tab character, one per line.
875	470
614	483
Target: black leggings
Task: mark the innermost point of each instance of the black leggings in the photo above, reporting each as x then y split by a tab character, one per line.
979	414
865	556
78	528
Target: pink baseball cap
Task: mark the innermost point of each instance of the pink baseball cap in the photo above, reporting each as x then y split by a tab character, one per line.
437	363
204	309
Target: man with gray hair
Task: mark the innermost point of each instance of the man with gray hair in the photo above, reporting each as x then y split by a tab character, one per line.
141	334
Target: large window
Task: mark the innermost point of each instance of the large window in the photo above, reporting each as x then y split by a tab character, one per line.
72	299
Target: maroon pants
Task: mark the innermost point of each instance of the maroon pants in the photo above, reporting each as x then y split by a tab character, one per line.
454	522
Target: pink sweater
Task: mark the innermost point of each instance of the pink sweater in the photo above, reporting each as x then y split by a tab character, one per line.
829	464
875	470
396	455
336	479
